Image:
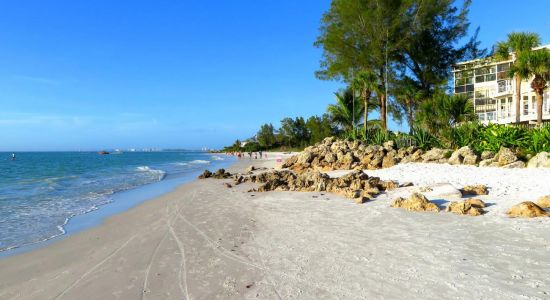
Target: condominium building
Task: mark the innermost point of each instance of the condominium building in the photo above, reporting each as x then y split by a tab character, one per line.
487	84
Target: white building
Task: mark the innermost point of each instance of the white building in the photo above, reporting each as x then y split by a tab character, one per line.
487	84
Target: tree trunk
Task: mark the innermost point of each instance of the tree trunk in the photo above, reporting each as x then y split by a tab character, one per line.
366	97
409	114
383	111
538	96
517	79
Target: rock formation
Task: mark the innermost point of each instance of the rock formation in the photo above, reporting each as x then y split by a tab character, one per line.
415	202
541	160
471	207
544	202
478	189
220	174
527	209
356	185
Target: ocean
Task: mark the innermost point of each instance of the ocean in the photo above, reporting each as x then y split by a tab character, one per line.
41	192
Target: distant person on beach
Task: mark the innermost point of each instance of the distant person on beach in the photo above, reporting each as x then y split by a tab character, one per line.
260	154
13	156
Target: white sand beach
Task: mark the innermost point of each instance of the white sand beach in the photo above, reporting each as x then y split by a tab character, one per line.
205	241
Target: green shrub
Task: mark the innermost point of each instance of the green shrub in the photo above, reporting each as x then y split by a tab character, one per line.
425	140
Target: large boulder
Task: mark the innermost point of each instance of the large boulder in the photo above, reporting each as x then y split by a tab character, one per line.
541	160
416	202
441	190
464	156
506	156
544	202
471	207
435	155
477	189
389	145
527	209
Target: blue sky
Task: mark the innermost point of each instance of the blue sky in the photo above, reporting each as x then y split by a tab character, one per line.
119	74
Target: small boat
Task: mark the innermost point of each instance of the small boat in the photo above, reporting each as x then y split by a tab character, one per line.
103	152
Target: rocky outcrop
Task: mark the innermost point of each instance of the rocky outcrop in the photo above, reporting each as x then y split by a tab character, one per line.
541	160
415	202
356	185
464	156
505	157
436	155
527	209
478	189
220	174
544	202
470	207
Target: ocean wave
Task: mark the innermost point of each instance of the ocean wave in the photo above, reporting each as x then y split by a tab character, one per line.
181	164
161	174
217	158
199	161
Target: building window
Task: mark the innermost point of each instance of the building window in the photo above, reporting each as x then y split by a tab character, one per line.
525	105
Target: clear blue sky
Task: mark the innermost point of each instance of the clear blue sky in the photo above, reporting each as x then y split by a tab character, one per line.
119	74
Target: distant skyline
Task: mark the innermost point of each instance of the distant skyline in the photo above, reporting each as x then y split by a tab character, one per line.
88	75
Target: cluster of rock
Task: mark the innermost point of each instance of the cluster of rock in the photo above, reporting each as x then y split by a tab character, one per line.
419	202
220	174
334	154
355	185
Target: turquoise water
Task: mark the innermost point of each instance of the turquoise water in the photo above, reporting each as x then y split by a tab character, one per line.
41	191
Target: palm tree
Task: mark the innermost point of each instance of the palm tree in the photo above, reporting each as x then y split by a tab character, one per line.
443	112
536	65
367	83
347	111
517	43
408	97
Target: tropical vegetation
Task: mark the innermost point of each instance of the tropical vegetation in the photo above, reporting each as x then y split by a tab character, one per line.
394	59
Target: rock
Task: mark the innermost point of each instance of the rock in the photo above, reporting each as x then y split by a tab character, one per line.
442	190
406	184
435	155
239	179
305	157
416	202
487	155
250	169
390	185
544	202
526	209
227	185
220	174
389	145
506	156
478	189
389	161
471	207
205	174
515	165
465	156
487	162
541	160
361	200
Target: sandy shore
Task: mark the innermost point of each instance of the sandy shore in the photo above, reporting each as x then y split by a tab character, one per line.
204	241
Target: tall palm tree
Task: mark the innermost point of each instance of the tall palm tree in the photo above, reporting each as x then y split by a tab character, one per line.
347	111
517	43
536	65
367	83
